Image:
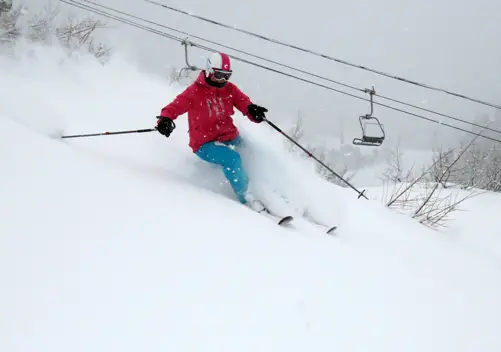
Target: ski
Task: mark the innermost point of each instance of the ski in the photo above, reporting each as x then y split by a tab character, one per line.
285	220
281	220
331	230
325	229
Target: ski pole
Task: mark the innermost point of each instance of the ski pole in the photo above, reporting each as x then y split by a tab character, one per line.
109	133
360	194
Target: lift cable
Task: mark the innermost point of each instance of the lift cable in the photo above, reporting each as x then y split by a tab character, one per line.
288	67
423	85
181	40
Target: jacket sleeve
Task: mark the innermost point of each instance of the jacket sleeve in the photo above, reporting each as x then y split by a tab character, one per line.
179	105
241	102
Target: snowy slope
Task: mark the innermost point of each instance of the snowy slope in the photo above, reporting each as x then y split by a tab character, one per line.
476	223
128	243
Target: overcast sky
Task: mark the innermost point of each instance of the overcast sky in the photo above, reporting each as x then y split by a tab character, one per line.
451	44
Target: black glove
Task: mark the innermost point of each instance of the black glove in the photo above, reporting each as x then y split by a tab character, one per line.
257	112
165	125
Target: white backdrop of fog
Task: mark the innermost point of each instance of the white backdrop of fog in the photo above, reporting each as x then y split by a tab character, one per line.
451	44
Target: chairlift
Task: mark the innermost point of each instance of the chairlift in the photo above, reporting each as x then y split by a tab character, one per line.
188	67
370	140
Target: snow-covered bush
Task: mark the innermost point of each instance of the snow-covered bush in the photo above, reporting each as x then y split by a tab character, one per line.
5	5
9	18
74	34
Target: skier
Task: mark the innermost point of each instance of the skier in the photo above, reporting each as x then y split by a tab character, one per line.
209	102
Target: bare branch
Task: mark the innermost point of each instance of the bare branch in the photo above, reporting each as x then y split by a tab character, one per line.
415	181
445	174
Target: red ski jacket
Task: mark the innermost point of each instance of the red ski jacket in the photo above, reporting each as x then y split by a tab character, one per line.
209	111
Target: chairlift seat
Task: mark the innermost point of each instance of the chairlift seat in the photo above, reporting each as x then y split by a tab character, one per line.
369	141
375	141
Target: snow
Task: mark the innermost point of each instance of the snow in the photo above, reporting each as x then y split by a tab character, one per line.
130	242
482	208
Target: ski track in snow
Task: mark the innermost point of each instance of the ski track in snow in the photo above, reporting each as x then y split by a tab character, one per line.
128	243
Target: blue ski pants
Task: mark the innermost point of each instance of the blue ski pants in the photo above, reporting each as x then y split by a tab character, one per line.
225	155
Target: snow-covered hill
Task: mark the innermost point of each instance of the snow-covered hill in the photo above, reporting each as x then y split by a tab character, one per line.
128	243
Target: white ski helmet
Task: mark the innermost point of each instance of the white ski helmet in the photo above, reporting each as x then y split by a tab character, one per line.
219	65
219	61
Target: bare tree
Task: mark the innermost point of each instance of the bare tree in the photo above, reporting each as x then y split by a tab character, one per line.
9	29
492	178
411	182
77	33
441	171
5	5
394	171
41	25
432	208
397	183
436	208
432	204
297	131
473	169
477	167
74	34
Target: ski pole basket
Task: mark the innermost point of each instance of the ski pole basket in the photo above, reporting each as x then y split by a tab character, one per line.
370	140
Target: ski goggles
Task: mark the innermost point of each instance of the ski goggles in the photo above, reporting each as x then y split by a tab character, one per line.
221	74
